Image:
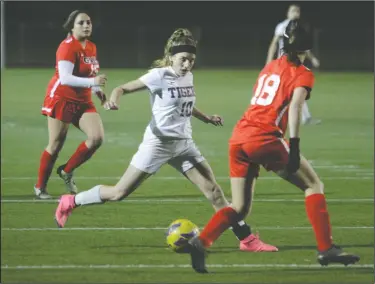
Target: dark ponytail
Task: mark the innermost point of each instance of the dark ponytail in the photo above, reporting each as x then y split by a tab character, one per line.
297	40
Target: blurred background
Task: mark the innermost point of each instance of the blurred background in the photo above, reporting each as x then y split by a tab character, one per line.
230	34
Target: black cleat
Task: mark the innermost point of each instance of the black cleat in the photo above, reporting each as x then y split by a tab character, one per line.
68	180
198	255
336	255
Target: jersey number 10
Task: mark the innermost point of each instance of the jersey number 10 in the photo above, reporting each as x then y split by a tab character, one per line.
266	90
187	109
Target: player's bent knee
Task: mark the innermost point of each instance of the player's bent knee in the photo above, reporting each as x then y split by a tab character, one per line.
95	141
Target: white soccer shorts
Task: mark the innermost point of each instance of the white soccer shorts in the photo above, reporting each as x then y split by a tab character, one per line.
153	153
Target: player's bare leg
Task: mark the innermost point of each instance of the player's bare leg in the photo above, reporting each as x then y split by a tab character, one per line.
99	194
307	180
57	131
91	124
203	177
129	182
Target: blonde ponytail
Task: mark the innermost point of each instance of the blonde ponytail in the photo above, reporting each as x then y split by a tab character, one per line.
179	36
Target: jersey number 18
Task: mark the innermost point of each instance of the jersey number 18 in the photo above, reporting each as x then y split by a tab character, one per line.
266	90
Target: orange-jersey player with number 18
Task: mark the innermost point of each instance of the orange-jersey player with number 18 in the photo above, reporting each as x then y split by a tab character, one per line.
258	140
267	115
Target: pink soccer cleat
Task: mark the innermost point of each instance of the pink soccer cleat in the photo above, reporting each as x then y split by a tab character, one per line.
64	209
254	244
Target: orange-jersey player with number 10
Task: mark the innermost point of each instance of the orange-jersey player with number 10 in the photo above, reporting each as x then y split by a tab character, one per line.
258	140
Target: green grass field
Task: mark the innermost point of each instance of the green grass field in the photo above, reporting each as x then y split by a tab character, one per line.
124	242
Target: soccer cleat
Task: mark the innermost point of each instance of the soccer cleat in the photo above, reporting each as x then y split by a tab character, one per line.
68	179
41	193
336	255
254	244
64	209
198	255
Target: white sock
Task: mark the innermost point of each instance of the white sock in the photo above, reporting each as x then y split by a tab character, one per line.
305	112
241	223
90	196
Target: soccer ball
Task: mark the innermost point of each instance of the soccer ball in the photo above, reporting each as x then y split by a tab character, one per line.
179	233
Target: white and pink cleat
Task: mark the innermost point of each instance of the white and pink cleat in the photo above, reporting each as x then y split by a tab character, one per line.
64	209
253	244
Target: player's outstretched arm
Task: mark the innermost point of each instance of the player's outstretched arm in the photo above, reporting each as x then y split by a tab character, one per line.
213	119
272	49
295	109
130	87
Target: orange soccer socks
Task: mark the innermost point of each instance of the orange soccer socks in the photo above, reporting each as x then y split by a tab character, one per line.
316	209
47	162
81	155
222	220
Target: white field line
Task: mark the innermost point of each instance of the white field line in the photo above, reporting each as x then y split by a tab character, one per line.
195	200
183	178
168	266
161	228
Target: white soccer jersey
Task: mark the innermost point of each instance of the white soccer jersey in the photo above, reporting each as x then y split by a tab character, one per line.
279	32
172	101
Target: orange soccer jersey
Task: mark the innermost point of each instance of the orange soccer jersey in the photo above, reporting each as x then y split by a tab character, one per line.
85	65
267	115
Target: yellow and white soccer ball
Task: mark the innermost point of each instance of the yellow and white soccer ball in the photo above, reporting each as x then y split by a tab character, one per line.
179	233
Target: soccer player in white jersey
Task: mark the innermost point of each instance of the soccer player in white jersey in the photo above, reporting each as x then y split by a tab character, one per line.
167	139
277	45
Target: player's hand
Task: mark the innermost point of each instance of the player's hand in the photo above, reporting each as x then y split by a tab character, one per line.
100	80
294	161
114	101
111	105
101	96
315	62
216	120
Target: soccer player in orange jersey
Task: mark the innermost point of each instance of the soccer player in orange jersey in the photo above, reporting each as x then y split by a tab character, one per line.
68	100
258	140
